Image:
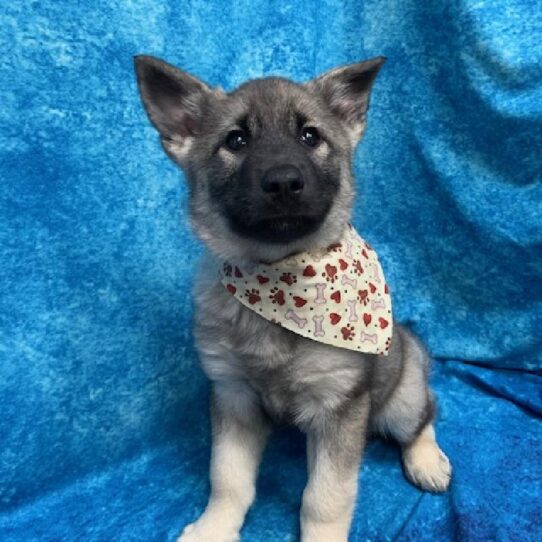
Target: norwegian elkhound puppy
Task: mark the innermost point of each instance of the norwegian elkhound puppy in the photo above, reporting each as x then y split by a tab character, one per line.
302	136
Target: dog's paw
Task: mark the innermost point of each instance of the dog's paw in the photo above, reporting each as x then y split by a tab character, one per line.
427	466
202	531
324	532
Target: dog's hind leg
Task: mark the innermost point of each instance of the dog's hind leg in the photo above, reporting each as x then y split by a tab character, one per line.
408	416
425	463
240	432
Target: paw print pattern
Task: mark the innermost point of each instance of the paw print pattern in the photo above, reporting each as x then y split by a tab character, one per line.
363	297
277	296
227	269
330	273
358	268
348	332
253	296
288	278
335	247
335	294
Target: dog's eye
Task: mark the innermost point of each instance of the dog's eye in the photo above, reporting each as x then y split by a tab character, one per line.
236	140
310	136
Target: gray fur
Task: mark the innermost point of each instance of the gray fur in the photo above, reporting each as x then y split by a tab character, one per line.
259	370
295	378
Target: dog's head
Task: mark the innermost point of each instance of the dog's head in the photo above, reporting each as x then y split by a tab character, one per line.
270	164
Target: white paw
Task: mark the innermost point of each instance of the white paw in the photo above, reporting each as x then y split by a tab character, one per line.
313	529
202	531
324	533
427	467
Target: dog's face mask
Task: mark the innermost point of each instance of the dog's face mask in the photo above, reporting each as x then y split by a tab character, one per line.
269	164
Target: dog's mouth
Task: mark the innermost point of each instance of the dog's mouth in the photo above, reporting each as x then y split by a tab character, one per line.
276	229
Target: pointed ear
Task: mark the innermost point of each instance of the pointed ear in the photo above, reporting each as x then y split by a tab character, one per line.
173	100
347	89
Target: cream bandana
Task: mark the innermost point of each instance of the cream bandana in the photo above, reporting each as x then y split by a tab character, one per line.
336	296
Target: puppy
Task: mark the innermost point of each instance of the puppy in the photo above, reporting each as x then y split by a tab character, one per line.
269	167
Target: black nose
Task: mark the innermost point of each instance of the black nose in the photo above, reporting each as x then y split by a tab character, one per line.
283	180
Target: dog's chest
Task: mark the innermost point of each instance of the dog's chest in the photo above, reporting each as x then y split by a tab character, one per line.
237	345
292	376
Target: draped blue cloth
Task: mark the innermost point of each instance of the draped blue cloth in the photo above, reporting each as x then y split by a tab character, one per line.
104	426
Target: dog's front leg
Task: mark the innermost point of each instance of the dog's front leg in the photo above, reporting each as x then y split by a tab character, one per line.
334	453
239	435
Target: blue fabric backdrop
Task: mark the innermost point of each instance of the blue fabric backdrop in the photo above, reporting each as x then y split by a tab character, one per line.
104	426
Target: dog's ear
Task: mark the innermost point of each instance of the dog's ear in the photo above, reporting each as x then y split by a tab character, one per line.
173	100
347	90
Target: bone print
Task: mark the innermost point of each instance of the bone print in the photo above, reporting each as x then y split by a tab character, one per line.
320	298
318	321
368	337
347	280
317	255
291	315
376	272
348	251
352	303
291	261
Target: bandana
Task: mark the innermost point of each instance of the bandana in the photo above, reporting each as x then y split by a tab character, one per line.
337	295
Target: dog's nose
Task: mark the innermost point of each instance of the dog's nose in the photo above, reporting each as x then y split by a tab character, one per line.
282	181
